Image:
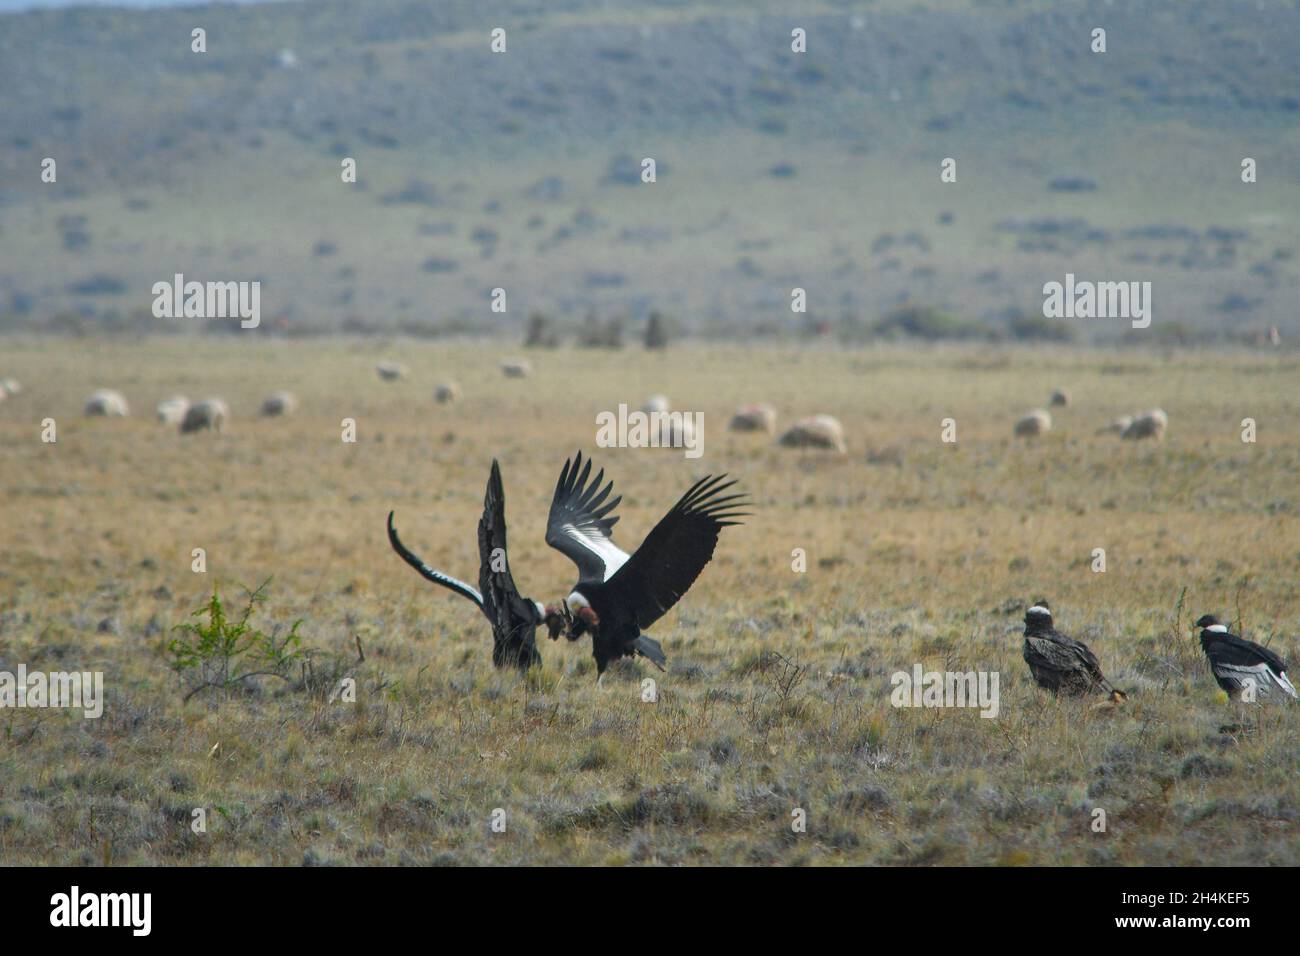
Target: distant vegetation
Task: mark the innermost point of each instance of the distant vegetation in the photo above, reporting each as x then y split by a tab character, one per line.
774	169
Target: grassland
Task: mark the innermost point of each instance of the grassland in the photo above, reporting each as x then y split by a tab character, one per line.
918	551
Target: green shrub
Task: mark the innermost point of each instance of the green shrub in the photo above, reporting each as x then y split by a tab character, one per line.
223	654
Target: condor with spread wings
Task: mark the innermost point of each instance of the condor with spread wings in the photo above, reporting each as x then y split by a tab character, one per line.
620	595
514	618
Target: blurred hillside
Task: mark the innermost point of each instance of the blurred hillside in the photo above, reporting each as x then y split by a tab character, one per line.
775	169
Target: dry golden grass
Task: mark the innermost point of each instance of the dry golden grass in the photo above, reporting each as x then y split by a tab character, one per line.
917	552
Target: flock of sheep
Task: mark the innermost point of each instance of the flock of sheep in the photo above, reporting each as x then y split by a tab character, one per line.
209	414
1149	424
817	431
212	414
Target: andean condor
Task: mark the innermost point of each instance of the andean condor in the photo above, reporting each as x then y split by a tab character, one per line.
1239	664
1060	663
619	595
513	618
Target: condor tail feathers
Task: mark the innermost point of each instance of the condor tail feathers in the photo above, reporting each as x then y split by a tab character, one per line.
648	647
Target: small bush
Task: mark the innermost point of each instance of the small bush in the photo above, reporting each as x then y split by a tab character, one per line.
1037	328
922	322
656	332
540	334
223	654
596	334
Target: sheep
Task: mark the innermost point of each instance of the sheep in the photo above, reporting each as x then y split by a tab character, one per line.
447	393
10	386
108	404
753	418
1036	422
171	411
209	413
1116	426
819	431
391	371
516	368
676	430
1060	398
279	403
1150	424
656	403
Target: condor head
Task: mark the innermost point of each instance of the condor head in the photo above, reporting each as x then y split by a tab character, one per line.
557	619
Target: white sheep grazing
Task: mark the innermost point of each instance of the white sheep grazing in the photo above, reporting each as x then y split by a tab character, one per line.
516	368
171	411
391	371
1150	424
753	418
819	431
447	393
1037	422
210	413
107	403
1117	426
656	403
675	430
10	386
279	403
1060	398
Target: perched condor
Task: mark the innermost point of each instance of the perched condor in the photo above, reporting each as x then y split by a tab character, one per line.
1060	663
513	618
1243	668
619	595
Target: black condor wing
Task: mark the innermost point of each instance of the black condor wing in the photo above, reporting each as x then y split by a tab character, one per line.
580	526
514	617
676	551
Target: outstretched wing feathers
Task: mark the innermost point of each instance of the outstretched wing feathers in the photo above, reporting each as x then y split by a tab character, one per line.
437	577
580	525
513	617
496	586
676	551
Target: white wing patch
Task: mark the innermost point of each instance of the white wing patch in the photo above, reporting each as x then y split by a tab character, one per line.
1260	675
455	584
610	554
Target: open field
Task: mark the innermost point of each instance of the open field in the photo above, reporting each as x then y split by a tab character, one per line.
918	552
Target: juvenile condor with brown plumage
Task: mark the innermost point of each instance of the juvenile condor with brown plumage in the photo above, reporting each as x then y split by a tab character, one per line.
1060	663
